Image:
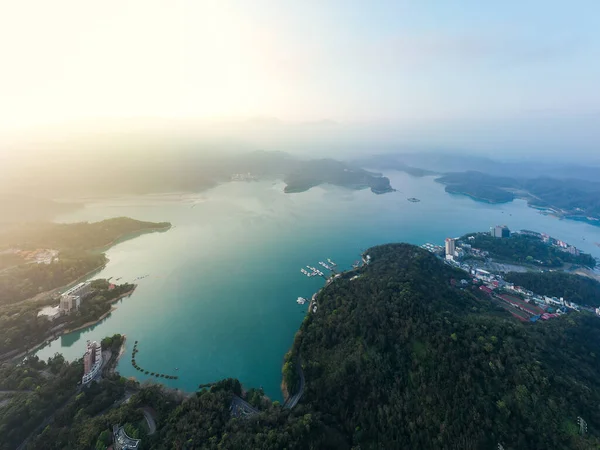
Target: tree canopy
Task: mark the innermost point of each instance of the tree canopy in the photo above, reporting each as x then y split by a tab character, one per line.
396	358
574	288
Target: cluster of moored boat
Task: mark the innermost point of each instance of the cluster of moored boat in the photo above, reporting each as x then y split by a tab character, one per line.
313	271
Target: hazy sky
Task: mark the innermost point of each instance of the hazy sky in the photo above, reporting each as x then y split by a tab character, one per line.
349	61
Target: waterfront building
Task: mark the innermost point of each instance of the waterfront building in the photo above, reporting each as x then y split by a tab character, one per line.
450	248
71	299
81	289
500	231
92	361
122	441
68	303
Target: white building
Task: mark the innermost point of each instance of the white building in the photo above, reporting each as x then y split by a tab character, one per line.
500	231
69	303
71	299
81	289
450	248
92	361
554	301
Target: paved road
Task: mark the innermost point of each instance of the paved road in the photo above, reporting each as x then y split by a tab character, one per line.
149	420
241	408
294	399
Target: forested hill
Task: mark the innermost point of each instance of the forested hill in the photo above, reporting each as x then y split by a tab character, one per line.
20	280
400	359
394	359
573	287
76	236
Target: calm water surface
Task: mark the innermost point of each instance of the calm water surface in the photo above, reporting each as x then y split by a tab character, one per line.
220	298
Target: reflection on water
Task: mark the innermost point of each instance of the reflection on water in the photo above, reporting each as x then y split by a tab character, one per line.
220	298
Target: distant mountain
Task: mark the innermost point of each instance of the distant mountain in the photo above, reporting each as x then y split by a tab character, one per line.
307	174
24	208
449	162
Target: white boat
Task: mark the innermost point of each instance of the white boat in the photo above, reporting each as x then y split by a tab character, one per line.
301	301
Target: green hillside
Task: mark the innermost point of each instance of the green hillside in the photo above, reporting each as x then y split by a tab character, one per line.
394	358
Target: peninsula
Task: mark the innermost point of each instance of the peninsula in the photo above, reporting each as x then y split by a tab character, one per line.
42	259
391	343
312	173
569	198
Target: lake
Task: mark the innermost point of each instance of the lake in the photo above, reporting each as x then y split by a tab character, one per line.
220	296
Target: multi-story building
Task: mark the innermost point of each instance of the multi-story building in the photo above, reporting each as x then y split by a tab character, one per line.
500	231
92	361
81	289
69	303
71	299
450	248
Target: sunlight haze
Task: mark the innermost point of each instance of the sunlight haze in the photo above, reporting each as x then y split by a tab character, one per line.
72	61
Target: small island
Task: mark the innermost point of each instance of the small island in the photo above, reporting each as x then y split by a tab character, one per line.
308	174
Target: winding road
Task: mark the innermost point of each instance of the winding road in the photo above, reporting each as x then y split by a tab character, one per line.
294	399
241	408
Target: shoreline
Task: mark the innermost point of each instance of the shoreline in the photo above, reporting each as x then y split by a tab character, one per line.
58	290
113	368
128	236
103	316
547	210
63	332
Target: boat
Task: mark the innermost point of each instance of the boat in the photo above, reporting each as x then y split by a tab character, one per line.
301	300
331	262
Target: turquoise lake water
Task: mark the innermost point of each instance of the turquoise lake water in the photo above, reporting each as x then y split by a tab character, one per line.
220	298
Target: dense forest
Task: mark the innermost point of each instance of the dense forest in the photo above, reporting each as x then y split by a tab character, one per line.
396	358
82	418
400	359
574	288
42	396
526	249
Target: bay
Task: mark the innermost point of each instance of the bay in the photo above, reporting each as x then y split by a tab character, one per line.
219	294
